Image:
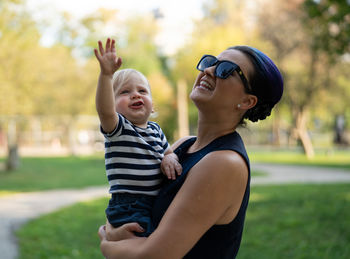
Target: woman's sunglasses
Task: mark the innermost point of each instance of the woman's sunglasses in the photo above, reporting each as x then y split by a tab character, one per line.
224	69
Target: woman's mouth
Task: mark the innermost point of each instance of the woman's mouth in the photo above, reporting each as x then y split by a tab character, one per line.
205	85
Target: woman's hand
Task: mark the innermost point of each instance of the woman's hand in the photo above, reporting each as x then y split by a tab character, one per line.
126	231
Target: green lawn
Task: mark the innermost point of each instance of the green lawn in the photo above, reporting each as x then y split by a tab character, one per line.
54	173
336	159
69	233
77	172
291	221
298	221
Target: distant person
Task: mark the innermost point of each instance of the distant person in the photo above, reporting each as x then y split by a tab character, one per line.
134	146
340	133
201	214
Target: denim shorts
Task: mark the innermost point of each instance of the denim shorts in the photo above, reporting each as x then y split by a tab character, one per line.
127	208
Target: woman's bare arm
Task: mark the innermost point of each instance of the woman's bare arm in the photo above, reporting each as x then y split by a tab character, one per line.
212	194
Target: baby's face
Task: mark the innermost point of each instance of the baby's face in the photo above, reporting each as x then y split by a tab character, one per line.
133	100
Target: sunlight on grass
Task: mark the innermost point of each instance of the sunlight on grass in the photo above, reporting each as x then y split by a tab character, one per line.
54	173
257	197
6	193
69	233
289	221
297	221
347	196
338	159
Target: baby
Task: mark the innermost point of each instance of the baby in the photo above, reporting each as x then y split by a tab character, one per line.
135	147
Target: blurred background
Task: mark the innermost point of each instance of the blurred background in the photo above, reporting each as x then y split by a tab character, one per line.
49	129
48	73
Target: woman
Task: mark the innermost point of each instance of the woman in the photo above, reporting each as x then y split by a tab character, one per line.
201	214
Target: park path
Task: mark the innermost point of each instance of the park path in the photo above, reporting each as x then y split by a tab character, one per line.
17	209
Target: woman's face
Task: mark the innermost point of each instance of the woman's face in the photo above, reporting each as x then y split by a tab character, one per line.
220	94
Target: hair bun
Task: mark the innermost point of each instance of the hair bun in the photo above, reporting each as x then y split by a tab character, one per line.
258	112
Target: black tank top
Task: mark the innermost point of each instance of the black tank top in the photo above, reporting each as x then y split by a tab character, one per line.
220	241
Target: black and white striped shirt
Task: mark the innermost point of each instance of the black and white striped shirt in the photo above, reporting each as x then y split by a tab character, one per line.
133	156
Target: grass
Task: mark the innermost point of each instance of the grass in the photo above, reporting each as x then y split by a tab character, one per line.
298	221
77	172
67	234
37	174
334	159
289	221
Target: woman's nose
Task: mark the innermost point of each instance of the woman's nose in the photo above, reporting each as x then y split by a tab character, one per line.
210	71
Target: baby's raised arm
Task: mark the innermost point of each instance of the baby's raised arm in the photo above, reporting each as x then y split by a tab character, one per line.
105	103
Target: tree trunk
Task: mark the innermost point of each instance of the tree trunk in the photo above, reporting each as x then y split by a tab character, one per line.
12	162
276	141
182	108
72	136
303	135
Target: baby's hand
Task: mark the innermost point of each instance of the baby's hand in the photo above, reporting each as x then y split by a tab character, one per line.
109	62
170	166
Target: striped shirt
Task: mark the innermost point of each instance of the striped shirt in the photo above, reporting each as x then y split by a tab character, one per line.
133	156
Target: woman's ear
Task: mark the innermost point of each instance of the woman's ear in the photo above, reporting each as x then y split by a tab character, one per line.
249	102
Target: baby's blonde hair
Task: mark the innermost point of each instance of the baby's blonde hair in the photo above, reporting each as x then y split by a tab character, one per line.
121	76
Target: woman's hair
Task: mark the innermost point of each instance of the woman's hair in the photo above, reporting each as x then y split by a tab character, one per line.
266	83
121	76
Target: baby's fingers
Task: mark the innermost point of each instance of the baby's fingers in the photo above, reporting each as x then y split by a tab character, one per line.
102	51
97	55
170	172
113	46
178	168
108	45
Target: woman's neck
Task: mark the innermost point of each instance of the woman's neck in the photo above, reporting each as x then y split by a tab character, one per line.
208	130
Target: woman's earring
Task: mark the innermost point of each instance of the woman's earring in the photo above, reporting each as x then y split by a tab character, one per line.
238	106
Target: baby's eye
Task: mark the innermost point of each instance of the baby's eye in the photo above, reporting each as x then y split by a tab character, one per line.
124	92
142	91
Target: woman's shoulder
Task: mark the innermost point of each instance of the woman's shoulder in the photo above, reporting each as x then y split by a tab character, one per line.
227	162
229	159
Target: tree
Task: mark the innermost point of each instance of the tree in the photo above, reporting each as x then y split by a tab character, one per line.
302	48
224	24
18	35
328	21
37	80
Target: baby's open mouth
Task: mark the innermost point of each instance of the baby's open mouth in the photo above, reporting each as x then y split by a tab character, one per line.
137	104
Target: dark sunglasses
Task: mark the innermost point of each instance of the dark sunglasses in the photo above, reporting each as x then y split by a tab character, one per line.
224	68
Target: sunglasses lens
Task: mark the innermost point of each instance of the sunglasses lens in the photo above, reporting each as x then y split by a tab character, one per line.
206	62
224	69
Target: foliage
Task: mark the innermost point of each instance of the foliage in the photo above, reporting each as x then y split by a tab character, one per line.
223	25
307	39
19	37
61	79
289	221
310	66
328	22
37	80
